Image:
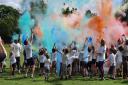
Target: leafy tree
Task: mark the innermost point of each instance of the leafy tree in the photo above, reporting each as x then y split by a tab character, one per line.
8	22
38	6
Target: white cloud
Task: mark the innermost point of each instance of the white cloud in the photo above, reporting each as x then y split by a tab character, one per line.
13	3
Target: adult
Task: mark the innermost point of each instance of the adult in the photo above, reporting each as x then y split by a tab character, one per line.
101	58
125	60
30	59
3	54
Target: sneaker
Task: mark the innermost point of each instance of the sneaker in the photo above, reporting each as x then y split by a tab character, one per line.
26	75
19	71
31	75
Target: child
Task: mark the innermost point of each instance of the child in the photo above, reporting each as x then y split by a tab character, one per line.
125	60
101	58
47	66
63	73
13	63
112	59
54	54
119	61
69	65
85	59
42	61
17	51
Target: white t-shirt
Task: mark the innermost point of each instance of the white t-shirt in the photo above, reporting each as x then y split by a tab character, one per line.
42	59
54	56
69	60
81	55
12	59
90	56
17	49
28	51
112	59
101	55
47	63
119	57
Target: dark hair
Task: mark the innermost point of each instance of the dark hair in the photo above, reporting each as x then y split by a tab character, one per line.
25	42
89	49
16	41
126	42
102	42
120	48
66	51
54	50
41	51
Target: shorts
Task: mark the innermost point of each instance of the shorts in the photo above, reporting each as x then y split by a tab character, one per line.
47	70
41	65
54	64
14	65
93	61
81	63
2	57
89	64
85	65
111	69
69	65
30	62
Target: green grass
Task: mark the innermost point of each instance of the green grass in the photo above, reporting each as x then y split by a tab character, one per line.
5	79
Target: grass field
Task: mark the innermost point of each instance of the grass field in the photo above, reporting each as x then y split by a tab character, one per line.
5	79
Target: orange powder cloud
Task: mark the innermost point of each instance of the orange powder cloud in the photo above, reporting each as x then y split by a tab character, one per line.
37	31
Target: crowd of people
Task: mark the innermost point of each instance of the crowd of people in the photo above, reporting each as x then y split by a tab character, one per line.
89	61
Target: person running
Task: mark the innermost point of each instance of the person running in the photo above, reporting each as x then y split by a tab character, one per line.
101	58
30	60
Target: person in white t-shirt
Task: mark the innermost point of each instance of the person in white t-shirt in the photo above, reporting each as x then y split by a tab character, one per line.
13	63
69	65
47	64
17	51
112	59
101	58
30	59
42	61
54	59
119	61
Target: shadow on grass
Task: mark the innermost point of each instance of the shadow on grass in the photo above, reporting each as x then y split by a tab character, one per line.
15	78
125	82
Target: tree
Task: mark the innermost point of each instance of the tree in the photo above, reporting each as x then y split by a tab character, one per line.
38	6
8	22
